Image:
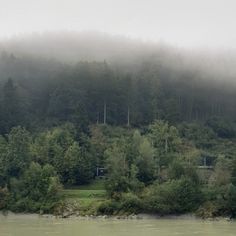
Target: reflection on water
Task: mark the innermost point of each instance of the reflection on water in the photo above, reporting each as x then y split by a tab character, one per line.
15	225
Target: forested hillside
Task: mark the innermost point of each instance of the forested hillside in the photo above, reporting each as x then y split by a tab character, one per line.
161	121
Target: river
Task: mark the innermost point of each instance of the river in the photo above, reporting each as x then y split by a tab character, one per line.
32	225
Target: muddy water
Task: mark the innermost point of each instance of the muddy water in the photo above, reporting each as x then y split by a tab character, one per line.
32	225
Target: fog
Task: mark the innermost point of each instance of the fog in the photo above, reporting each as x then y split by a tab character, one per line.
71	47
184	23
189	35
196	37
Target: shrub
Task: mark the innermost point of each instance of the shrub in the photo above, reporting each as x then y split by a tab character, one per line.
4	195
38	190
131	203
109	207
175	196
223	128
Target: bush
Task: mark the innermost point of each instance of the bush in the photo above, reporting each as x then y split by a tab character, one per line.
223	128
4	195
219	200
207	210
38	190
175	196
131	203
127	204
201	136
109	207
227	202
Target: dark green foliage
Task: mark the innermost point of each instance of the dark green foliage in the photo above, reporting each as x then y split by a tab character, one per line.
4	196
109	207
83	116
175	196
10	107
230	200
129	203
45	94
17	157
38	190
220	195
118	180
35	186
131	164
3	164
135	163
165	138
78	166
233	172
223	128
59	148
202	136
219	201
178	169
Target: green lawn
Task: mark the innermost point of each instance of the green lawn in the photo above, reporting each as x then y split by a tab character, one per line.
95	185
84	193
87	196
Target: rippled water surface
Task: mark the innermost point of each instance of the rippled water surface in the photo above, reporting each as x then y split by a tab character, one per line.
15	225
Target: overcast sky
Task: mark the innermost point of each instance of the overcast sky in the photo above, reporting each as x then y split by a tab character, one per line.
188	23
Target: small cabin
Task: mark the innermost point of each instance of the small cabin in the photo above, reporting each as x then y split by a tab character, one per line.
101	172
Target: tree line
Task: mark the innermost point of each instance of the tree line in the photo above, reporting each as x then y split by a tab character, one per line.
96	92
150	128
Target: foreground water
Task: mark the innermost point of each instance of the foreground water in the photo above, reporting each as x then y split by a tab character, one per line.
25	225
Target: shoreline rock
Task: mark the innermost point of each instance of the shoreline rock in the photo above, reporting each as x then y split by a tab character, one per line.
141	216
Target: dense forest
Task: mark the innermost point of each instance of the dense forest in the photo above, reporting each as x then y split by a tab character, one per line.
161	121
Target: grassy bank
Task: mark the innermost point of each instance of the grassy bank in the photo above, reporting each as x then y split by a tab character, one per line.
84	200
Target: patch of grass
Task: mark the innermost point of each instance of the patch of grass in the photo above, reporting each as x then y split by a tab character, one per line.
77	193
86	198
95	185
98	184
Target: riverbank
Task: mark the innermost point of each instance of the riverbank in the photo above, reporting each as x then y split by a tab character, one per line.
141	216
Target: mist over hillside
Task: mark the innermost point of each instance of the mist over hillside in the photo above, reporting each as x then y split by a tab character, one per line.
58	74
121	52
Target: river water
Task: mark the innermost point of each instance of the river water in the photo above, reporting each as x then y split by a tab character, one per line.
25	225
